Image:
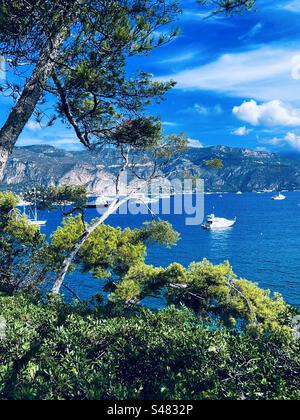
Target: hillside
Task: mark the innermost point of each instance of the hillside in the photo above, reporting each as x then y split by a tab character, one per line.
244	169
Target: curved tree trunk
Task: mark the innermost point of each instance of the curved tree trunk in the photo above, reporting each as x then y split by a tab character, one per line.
68	260
4	154
115	205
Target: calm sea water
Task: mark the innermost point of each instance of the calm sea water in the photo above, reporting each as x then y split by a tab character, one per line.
263	246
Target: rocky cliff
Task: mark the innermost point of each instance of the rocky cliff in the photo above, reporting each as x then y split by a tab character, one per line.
244	170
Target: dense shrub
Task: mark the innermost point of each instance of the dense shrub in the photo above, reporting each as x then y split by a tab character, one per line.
58	351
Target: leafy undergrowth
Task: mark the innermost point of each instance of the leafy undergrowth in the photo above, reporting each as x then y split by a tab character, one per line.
57	351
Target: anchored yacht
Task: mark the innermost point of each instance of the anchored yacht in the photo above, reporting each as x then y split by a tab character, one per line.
213	222
279	197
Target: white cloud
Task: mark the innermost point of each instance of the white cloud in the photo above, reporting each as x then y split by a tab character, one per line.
206	18
261	149
65	143
179	58
273	113
292	6
64	139
26	141
207	110
169	124
291	139
296	67
241	131
195	143
264	73
275	141
253	31
33	126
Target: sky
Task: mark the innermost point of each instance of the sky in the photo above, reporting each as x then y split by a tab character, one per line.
238	80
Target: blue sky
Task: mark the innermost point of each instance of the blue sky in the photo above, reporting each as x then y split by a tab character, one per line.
238	80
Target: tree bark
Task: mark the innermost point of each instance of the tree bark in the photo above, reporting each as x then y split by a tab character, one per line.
24	108
4	154
32	92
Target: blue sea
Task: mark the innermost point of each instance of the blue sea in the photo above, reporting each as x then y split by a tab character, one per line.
263	246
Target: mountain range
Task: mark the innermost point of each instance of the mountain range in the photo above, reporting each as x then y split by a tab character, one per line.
243	170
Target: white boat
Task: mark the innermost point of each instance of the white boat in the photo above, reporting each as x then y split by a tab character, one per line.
102	202
147	200
239	193
278	197
213	222
33	222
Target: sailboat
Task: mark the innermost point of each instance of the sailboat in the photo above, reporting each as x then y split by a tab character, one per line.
32	215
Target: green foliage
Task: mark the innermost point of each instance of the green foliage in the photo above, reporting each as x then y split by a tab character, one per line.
26	256
20	245
169	148
228	7
213	292
59	352
92	42
158	231
214	163
109	251
8	201
141	133
62	195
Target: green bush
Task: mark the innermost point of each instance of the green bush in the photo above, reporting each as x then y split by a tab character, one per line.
58	351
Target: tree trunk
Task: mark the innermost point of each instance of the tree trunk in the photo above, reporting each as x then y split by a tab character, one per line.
3	159
68	260
32	92
23	110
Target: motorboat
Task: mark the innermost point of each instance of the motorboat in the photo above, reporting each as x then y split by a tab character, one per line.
213	222
99	203
40	223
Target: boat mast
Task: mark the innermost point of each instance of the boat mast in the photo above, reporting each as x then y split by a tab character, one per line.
35	207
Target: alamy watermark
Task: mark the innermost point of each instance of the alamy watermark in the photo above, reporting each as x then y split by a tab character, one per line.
163	197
